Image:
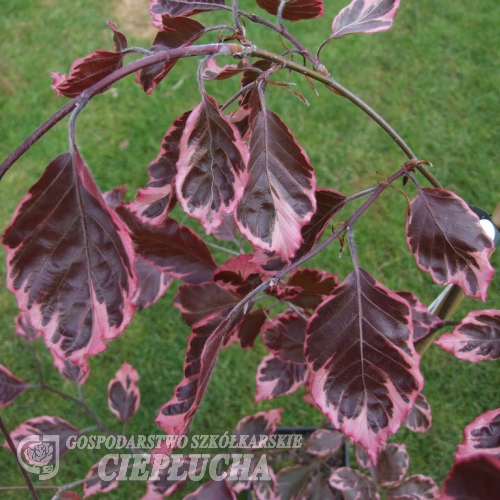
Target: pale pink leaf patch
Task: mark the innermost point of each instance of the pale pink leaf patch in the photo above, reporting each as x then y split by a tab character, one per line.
213	71
476	338
365	16
78	289
324	442
211	169
107	477
123	394
359	347
25	329
416	487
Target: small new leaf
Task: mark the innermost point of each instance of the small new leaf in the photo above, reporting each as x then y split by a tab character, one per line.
123	394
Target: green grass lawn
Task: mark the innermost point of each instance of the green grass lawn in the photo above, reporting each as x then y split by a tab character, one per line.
434	77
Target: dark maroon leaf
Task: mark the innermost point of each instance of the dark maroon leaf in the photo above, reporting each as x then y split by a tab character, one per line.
420	418
362	457
476	338
204	344
156	200
239	275
165	481
25	329
86	72
175	32
100	484
392	464
474	478
324	442
423	320
277	378
415	488
481	436
70	262
247	331
314	285
69	495
365	16
213	490
448	241
10	387
279	197
295	10
152	284
40	426
199	301
258	425
211	170
328	204
262	479
115	196
365	369
284	336
227	230
123	394
359	486
172	248
70	371
291	481
119	39
318	489
177	8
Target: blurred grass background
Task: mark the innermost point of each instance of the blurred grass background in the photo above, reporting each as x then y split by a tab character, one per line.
434	77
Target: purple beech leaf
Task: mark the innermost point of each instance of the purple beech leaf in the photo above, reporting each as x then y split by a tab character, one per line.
91	69
71	371
204	343
284	336
476	477
420	418
476	338
291	481
196	302
123	394
324	442
10	386
354	483
416	487
262	487
45	425
211	170
153	203
254	426
172	248
277	378
227	231
114	197
365	16
360	350
295	10
279	197
213	490
318	489
423	320
25	329
315	287
482	435
363	458
94	485
392	464
69	261
164	482
180	8
448	241
239	275
247	331
175	32
152	284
